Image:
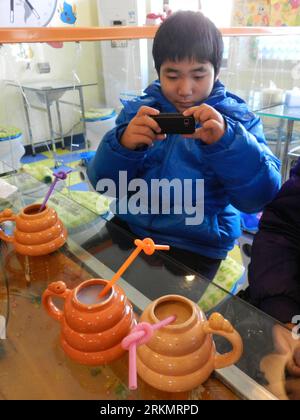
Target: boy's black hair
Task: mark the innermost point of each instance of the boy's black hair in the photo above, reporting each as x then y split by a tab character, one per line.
188	35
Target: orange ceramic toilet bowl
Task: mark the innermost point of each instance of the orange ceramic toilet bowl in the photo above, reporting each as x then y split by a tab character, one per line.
36	233
91	332
182	355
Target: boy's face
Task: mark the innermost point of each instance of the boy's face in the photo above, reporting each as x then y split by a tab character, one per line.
185	83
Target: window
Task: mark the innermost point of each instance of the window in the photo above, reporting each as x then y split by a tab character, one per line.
188	5
220	12
283	48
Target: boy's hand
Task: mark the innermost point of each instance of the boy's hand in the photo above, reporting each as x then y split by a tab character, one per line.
213	125
142	129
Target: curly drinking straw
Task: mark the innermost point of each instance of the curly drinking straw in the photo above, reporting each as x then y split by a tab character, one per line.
146	245
59	176
141	334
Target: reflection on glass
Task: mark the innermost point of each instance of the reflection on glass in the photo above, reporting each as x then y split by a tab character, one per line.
96	249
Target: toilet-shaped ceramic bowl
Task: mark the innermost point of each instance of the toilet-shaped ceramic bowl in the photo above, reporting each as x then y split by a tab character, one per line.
37	232
182	355
92	329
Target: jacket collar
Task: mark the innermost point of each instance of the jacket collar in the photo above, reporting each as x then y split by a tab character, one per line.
219	98
218	95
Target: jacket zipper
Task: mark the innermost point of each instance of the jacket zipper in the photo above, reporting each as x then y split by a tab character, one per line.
170	145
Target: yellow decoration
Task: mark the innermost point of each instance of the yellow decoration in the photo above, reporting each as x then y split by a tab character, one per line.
266	13
251	13
285	13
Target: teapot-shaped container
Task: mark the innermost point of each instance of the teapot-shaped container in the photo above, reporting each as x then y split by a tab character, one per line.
182	355
97	314
37	232
91	328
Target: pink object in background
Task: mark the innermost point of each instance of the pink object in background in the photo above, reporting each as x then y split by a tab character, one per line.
157	18
154	19
141	334
295	3
56	44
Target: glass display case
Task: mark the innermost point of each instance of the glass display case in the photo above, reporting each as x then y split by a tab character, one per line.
32	363
96	248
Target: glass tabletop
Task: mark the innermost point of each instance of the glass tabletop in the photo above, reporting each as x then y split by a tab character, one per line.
281	111
255	99
32	362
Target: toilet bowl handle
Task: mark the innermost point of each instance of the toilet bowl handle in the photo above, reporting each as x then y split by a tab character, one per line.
218	325
57	289
7	216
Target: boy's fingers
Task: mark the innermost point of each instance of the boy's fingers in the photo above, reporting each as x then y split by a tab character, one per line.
207	125
147	110
143	139
190	111
144	130
196	134
200	109
148	141
146	121
211	125
145	142
203	113
161	137
203	116
150	134
199	114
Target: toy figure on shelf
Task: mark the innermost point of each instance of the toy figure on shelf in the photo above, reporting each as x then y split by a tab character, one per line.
68	14
153	19
156	18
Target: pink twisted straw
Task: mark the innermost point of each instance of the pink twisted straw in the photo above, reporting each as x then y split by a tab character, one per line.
141	334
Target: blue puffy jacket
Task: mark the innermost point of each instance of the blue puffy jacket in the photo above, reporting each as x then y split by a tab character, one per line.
239	171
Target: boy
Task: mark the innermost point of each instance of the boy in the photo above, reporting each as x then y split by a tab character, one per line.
227	150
